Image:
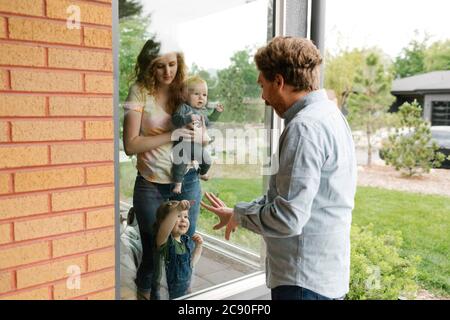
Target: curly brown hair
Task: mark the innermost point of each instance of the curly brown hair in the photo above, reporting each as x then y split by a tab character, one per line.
145	73
297	60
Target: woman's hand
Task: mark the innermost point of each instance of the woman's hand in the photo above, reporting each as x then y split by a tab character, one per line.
225	214
199	133
184	133
219	107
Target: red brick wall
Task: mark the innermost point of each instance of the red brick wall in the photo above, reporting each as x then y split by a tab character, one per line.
56	150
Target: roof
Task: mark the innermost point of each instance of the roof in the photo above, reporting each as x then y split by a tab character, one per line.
431	81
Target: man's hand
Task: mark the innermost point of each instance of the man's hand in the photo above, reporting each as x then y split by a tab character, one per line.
225	214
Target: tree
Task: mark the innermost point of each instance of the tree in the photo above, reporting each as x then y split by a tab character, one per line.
133	34
411	60
128	8
369	103
237	82
419	57
437	56
413	153
340	72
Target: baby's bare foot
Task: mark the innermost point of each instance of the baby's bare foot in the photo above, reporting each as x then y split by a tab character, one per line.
204	177
177	188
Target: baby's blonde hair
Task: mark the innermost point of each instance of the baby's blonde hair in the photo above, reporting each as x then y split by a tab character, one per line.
193	80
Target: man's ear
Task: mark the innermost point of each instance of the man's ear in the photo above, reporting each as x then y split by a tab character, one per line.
279	81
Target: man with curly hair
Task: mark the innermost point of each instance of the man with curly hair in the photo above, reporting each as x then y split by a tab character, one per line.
305	216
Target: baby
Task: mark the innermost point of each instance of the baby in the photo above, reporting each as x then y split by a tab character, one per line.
193	112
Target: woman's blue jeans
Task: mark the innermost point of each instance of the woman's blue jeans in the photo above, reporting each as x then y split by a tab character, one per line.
147	197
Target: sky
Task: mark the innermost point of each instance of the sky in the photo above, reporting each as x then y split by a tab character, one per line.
388	24
210	31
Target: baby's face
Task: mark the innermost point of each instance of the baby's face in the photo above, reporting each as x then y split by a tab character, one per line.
198	95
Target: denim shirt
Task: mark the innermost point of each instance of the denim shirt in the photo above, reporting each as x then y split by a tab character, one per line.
306	214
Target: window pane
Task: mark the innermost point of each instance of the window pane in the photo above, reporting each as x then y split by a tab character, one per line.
218	41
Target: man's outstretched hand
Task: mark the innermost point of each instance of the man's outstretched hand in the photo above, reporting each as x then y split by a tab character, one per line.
224	213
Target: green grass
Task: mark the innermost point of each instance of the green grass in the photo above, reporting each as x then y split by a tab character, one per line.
231	191
127	177
424	221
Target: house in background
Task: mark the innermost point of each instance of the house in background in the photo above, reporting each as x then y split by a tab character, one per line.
431	90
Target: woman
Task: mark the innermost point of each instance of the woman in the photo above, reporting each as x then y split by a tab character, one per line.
147	133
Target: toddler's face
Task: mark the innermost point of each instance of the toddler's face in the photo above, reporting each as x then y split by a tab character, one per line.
182	224
197	95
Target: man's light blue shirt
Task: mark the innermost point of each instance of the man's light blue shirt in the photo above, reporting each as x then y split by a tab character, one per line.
306	214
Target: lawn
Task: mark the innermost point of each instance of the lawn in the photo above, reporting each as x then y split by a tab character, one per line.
424	221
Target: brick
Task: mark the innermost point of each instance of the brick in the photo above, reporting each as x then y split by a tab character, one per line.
48	272
38	228
102	174
36	294
46	130
22	106
90	12
80	59
4	183
86	152
101	260
46	31
23	206
105	295
5	282
82	198
82	243
46	81
2	27
78	106
11	157
89	283
17	55
3	80
101	38
100	218
100	129
19	255
4	131
99	84
27	7
5	233
48	179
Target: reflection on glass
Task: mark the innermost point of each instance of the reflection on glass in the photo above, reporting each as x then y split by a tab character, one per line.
218	40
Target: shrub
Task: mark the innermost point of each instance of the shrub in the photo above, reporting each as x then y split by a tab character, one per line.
413	153
377	270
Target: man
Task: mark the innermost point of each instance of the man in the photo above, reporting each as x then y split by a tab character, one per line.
305	216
